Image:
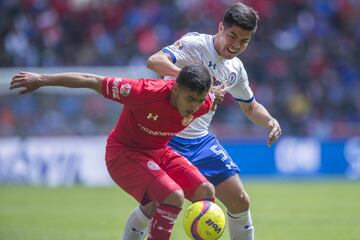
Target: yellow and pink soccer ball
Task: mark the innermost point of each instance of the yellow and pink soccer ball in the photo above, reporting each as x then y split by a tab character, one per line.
204	220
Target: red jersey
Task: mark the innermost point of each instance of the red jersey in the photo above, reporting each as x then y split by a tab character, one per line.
148	119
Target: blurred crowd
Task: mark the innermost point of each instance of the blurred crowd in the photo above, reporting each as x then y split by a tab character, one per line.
303	62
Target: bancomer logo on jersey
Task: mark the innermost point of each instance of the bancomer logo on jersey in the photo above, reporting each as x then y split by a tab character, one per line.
156	133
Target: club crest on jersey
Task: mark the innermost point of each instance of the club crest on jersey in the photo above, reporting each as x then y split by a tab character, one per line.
179	45
232	78
152	116
153	165
187	120
125	90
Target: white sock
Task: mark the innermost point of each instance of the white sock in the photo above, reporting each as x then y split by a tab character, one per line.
136	227
240	226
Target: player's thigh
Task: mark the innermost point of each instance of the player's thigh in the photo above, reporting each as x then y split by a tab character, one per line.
209	156
185	174
139	175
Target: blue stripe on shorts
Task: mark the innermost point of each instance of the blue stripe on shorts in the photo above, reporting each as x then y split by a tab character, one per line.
207	154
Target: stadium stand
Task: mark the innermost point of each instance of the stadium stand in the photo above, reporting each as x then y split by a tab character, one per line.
304	66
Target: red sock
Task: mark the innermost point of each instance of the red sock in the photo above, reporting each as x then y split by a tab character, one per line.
162	222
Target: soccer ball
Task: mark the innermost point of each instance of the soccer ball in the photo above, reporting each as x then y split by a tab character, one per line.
204	220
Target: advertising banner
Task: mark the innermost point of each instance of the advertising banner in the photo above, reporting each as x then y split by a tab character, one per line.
54	161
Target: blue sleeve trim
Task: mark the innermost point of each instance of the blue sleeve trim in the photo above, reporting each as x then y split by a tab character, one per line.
171	54
245	101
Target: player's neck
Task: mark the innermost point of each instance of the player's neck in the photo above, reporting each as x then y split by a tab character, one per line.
215	43
172	99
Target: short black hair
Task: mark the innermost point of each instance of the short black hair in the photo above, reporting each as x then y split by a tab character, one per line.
242	16
195	78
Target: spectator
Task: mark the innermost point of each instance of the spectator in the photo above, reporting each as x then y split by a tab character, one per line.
304	58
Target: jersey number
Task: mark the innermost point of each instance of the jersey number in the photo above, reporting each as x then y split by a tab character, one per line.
219	152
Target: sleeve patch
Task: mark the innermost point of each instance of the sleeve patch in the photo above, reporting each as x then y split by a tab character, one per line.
179	45
125	90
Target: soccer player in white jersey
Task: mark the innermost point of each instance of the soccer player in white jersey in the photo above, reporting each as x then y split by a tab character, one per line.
218	53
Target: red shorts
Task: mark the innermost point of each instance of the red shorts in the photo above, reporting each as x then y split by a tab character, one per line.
151	175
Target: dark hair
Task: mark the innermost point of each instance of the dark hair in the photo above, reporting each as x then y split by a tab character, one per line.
242	16
195	78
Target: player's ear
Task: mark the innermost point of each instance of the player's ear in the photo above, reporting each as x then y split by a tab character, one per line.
175	89
221	27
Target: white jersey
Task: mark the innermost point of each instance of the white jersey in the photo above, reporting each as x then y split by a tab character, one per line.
198	49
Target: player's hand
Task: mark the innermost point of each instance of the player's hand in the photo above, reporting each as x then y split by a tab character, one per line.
26	80
275	131
219	98
219	92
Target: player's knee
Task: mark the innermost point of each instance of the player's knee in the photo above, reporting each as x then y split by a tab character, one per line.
241	202
148	209
176	199
208	189
244	199
205	191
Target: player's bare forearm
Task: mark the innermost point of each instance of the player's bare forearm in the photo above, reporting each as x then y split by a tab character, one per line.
258	114
161	63
29	82
74	80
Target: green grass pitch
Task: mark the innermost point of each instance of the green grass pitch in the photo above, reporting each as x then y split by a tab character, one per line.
319	210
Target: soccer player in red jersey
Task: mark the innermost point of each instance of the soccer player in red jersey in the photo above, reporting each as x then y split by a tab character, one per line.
137	156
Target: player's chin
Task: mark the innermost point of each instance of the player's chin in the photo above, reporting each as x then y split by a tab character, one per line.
227	54
230	55
187	113
183	114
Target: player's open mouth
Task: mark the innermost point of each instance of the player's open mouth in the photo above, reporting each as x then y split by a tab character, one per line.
232	50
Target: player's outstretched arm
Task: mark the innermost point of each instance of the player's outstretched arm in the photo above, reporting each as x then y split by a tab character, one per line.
161	63
258	114
29	82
